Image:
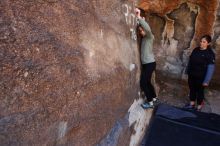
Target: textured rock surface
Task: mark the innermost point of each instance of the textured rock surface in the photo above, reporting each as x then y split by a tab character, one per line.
217	45
69	70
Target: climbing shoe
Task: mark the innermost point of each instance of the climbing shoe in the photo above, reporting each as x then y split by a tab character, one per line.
147	105
156	101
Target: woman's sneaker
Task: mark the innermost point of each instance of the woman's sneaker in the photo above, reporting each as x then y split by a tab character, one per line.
189	107
147	105
199	107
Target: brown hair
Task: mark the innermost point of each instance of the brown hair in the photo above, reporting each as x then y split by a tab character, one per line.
207	37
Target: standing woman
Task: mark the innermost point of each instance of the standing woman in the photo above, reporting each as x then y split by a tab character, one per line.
200	70
147	61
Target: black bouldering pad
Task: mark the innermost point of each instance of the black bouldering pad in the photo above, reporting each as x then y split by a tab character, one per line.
173	126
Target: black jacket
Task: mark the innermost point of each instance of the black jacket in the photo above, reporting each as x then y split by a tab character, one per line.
199	61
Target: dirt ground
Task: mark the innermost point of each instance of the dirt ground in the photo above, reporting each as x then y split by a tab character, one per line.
175	92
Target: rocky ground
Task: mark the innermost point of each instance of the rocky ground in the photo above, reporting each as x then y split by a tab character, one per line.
175	92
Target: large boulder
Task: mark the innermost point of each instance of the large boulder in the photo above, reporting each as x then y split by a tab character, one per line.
68	70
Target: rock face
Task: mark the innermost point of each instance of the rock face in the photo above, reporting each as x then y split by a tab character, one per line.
69	70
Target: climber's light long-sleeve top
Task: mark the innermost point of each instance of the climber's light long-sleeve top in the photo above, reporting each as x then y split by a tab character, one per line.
147	55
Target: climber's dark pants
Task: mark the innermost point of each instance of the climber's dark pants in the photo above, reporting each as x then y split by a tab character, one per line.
145	82
196	89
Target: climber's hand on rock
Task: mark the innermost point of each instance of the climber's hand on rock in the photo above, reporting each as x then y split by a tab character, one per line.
205	84
138	12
